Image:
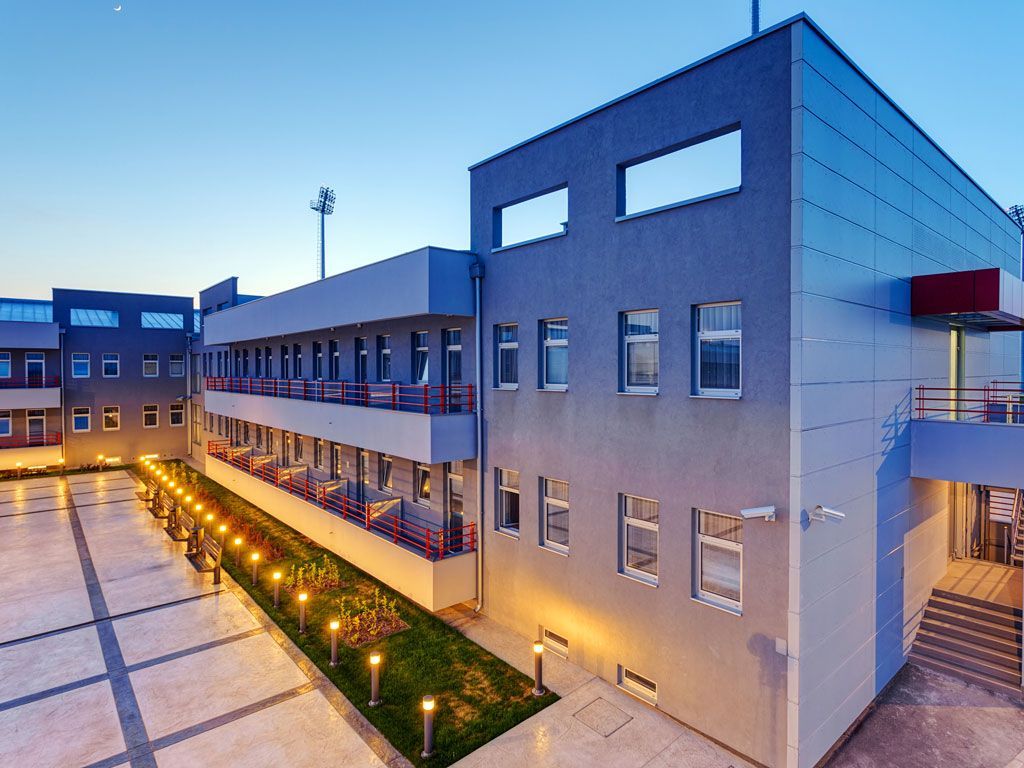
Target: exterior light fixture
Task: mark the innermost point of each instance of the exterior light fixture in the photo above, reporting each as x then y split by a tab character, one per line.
428	727
238	551
374	679
538	669
223	530
277	587
334	642
302	612
255	567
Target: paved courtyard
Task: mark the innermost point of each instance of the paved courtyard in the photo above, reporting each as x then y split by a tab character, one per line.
114	651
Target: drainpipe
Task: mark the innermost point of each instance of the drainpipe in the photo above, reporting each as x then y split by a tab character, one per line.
63	416
476	272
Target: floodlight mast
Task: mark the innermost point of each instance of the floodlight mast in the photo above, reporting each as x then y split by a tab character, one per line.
1016	212
324	205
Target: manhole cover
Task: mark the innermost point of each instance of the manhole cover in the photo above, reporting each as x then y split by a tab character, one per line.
603	717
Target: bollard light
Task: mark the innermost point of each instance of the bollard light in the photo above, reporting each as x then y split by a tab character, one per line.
538	669
223	531
428	727
374	679
238	551
277	587
334	642
302	612
255	567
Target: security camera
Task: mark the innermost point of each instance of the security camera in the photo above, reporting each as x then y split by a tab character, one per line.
827	513
765	513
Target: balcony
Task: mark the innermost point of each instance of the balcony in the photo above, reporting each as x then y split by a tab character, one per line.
969	434
24	451
430	424
30	392
433	566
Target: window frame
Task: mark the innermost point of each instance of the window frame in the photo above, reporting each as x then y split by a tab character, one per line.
384	358
386	460
171	362
88	418
9	418
506	346
699	336
701	539
115	359
626	522
115	411
546	344
626	340
503	491
417	350
546	502
88	365
6	363
149	409
173	408
420	471
150	358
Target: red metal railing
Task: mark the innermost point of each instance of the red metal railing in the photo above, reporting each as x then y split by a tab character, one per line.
1000	402
431	543
30	382
32	441
410	398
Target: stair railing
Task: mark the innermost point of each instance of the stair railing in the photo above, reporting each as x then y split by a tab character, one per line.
1011	548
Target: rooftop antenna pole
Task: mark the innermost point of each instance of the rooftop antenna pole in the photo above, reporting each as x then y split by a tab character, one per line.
755	16
324	205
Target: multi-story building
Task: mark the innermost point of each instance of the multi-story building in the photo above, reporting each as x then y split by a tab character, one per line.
92	374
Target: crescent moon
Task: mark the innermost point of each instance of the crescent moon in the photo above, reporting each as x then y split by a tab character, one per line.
117	7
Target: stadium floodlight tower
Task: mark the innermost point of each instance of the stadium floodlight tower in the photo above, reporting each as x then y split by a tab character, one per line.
1016	212
324	205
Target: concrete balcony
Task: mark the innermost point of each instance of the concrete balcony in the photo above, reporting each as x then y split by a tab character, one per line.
22	451
30	392
426	424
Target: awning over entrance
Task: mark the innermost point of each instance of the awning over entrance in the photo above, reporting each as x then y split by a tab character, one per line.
989	299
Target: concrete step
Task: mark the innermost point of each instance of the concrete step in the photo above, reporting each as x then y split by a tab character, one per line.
978	602
999	615
1008	658
963	674
968	663
1010	645
975	625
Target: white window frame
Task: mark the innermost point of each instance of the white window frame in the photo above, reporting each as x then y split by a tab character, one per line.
547	502
115	359
5	365
546	344
34	413
423	349
384	355
171	362
8	416
418	473
556	643
155	361
176	408
151	409
115	411
78	411
88	365
35	357
507	346
645	338
629	680
701	539
384	459
701	335
499	507
627	522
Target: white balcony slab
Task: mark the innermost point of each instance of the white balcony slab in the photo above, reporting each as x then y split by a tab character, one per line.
36	456
968	452
29	397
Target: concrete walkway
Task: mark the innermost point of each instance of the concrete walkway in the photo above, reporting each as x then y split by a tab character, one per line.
114	651
593	724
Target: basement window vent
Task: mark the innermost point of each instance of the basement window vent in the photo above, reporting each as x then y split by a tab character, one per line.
638	685
556	644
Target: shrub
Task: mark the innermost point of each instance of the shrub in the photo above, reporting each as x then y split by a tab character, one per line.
365	620
313	578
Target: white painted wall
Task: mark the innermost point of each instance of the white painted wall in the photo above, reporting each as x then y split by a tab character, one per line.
42	455
30	397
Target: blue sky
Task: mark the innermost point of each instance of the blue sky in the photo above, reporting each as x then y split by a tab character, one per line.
172	144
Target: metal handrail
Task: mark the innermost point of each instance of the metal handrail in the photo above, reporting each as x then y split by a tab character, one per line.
30	382
993	403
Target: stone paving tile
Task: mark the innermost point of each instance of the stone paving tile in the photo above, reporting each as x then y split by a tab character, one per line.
32	614
174	581
81	723
21	506
98	478
20	494
31	482
49	662
304	730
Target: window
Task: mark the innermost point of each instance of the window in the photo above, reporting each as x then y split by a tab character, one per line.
508	501
94	318
220	425
361	360
176	414
259	436
150	366
197	423
35	368
422	489
111	365
5	423
163	320
640	537
35	426
640	352
237	370
111	418
220	363
455	507
718	562
269	358
297	360
197	378
5	365
259	363
150	416
81	419
335	359
542	215
683	173
284	361
318	360
245	433
384	357
421	356
555	515
318	451
507	357
270	440
245	363
298	447
638	685
717	350
385	465
555	360
176	366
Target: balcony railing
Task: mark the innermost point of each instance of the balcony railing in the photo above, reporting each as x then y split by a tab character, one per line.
409	398
31	441
1000	402
427	541
30	382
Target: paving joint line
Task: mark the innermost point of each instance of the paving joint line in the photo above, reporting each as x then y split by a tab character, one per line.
74	685
184	652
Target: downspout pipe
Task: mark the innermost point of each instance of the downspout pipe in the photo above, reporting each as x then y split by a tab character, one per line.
63	409
476	272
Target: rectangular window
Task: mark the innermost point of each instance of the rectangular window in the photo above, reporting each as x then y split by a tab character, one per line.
80	365
284	362
150	366
81	419
297	360
259	436
220	425
5	423
717	350
111	365
220	363
237	370
638	685
35	368
361	361
640	352
719	558
94	318
111	418
555	354
245	363
5	365
259	363
385	465
507	356
384	357
269	362
555	515
245	432
176	365
150	416
318	453
640	537
170	321
176	414
680	174
318	360
543	215
508	500
421	356
298	447
422	487
335	361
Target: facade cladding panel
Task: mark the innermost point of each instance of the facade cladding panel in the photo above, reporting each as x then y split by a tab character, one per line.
725	678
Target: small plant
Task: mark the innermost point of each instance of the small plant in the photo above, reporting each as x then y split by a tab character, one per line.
365	620
312	577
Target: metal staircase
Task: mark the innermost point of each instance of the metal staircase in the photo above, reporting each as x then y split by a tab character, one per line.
1004	506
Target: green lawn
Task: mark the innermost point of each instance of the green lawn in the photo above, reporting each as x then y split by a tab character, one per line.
478	695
